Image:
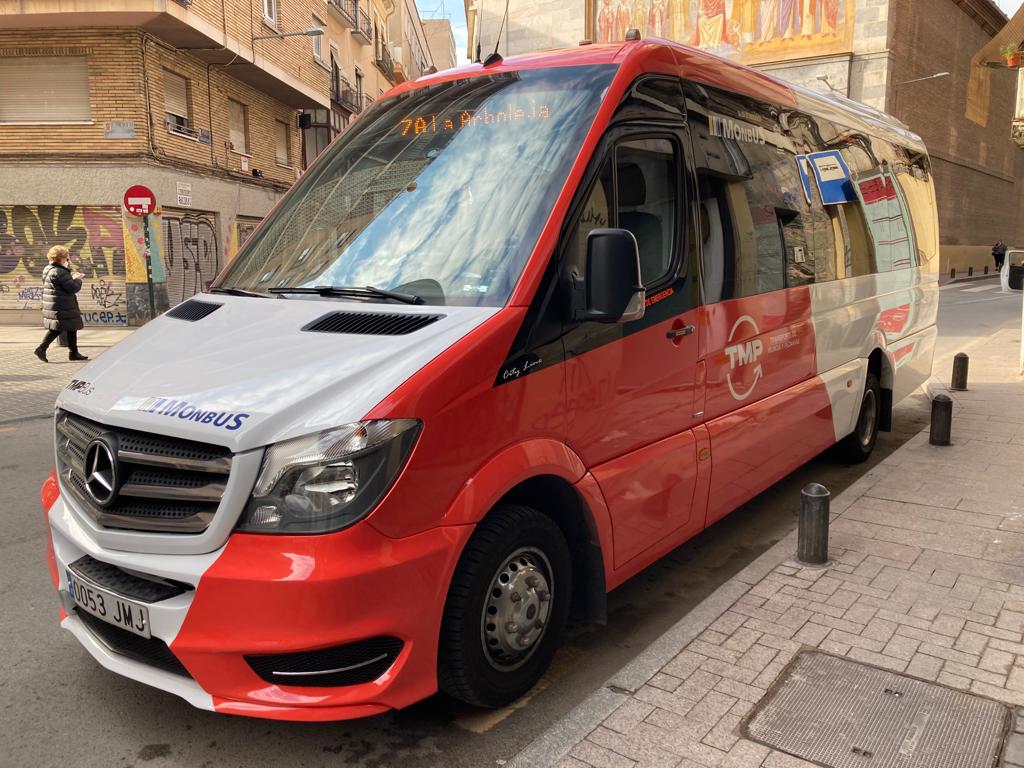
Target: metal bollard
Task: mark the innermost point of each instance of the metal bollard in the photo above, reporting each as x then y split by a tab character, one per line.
960	365
812	531
942	420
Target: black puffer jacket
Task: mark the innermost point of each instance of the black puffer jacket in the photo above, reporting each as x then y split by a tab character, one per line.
60	305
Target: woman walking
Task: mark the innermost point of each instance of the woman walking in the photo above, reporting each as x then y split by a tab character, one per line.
60	305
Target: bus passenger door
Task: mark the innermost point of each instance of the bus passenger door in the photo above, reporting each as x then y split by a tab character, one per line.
630	387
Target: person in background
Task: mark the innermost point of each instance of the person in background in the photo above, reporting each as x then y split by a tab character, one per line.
999	254
60	305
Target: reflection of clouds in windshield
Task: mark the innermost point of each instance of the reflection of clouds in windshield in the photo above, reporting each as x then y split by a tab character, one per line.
462	208
472	210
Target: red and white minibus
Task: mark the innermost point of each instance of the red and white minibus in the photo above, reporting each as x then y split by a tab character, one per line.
521	330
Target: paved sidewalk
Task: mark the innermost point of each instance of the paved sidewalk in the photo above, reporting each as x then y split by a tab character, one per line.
30	387
926	579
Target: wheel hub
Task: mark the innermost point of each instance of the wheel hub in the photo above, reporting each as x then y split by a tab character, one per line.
866	425
517	608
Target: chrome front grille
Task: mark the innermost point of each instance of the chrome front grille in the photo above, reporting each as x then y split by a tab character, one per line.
167	485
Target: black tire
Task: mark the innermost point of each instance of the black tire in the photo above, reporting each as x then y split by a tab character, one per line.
472	665
858	445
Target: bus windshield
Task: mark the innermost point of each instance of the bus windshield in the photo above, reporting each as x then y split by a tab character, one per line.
439	193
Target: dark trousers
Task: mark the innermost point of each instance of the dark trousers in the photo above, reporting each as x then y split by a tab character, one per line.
52	335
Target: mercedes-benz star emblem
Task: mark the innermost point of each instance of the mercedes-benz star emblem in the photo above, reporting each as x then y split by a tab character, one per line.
101	472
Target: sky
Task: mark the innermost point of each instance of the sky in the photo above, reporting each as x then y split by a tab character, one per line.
454	11
1009	6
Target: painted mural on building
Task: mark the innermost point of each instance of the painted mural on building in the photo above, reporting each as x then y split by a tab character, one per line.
751	31
93	235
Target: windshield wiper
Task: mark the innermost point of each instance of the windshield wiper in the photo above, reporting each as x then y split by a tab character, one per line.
239	292
353	290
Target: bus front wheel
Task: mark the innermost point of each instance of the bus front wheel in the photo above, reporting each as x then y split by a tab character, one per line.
858	445
506	608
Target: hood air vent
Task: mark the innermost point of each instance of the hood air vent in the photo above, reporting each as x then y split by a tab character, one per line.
193	310
371	323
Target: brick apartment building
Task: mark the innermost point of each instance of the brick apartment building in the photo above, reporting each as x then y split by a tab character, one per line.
200	100
873	51
440	42
357	53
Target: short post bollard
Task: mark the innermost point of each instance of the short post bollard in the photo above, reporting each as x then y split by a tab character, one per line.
812	531
960	365
942	421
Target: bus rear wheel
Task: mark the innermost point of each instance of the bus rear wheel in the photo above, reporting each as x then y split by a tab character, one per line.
858	445
506	608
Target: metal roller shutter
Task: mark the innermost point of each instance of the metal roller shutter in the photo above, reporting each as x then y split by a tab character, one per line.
44	89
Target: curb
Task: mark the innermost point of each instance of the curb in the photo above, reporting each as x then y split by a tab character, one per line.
969	279
557	741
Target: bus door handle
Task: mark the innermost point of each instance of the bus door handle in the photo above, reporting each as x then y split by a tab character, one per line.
679	331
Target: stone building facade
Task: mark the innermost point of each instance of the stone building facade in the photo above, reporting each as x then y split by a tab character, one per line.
872	51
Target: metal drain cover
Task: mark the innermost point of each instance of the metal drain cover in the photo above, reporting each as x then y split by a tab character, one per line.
842	714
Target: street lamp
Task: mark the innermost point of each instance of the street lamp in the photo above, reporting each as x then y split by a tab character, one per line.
826	81
936	76
311	32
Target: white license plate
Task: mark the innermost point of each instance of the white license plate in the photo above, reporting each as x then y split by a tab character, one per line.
108	606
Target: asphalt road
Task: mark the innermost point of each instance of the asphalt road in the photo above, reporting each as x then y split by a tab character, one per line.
59	708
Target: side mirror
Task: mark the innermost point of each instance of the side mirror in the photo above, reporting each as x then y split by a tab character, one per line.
612	287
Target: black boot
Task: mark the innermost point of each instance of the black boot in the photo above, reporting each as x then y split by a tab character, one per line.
41	354
77	356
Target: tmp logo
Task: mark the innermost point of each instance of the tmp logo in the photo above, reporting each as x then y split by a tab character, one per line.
743	360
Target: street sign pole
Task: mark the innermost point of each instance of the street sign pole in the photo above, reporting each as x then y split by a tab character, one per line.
149	268
140	201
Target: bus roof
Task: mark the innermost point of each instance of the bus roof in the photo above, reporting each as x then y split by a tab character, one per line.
696	65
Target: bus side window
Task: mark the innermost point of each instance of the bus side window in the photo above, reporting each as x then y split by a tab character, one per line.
866	216
859	241
648	202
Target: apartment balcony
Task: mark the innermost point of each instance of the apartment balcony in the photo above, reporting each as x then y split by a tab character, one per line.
347	10
385	64
367	101
350	99
363	30
179	25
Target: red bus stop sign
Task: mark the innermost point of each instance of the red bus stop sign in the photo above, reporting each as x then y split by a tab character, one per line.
139	200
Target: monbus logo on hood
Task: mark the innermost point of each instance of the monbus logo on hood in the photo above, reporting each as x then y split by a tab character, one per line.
182	409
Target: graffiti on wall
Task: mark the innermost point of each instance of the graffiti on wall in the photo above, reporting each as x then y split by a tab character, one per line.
94	238
752	31
189	250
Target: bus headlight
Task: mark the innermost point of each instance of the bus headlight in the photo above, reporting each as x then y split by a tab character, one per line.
328	480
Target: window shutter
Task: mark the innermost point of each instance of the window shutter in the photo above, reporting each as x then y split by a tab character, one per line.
44	89
175	94
236	126
281	142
